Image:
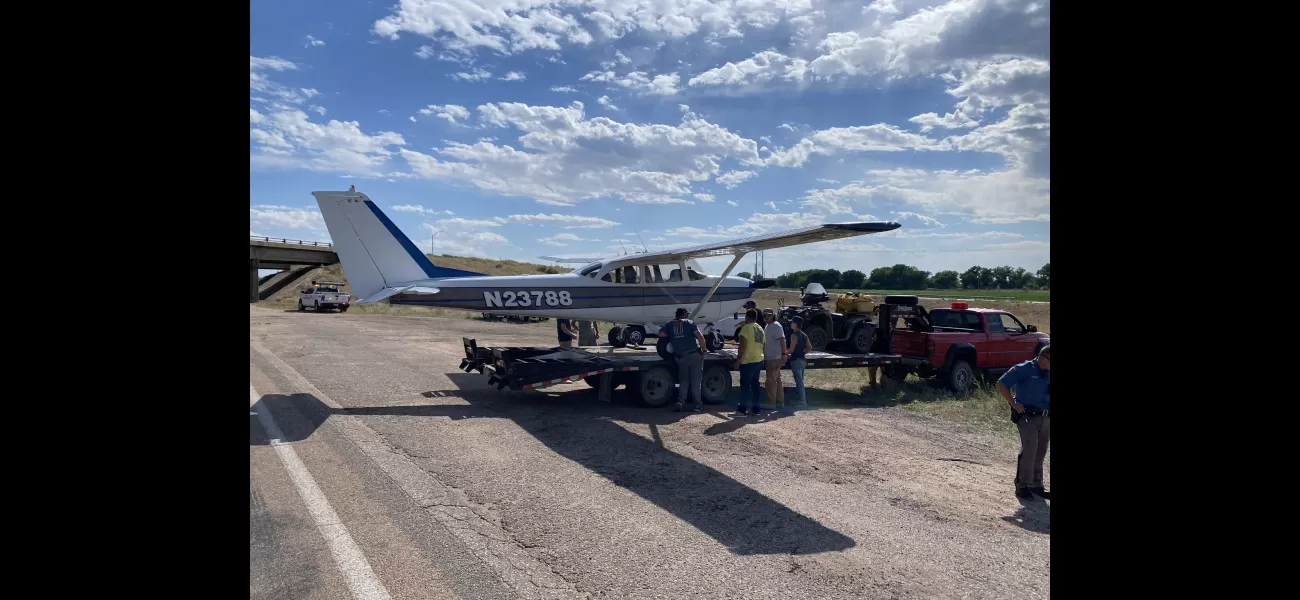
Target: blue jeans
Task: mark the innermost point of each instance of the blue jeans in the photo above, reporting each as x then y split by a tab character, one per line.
751	391
800	396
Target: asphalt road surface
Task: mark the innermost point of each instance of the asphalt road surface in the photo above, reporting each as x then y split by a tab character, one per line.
377	469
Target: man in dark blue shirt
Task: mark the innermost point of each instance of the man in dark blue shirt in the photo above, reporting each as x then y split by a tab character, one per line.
565	332
688	347
1030	410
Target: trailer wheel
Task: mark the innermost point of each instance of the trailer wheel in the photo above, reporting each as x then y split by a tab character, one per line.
817	337
655	387
616	336
862	337
902	300
715	384
961	377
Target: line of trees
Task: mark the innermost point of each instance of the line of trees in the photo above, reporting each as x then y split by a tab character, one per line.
907	277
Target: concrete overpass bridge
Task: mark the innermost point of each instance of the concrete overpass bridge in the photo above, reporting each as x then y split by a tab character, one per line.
284	254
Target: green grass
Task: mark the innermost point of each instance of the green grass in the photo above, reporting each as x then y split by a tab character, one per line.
1016	295
983	410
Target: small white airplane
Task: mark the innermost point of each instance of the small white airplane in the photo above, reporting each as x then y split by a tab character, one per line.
642	290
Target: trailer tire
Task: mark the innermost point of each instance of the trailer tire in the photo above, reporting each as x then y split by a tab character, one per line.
654	388
715	384
902	300
616	337
961	377
861	339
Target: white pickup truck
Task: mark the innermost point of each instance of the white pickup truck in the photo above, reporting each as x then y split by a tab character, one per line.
324	295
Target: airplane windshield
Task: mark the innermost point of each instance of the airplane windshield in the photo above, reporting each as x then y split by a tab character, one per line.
589	270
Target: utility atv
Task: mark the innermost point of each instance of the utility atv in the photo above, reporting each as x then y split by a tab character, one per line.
855	331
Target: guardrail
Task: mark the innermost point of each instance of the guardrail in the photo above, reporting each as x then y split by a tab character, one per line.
259	238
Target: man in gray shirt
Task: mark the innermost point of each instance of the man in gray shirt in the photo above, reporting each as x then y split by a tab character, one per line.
775	354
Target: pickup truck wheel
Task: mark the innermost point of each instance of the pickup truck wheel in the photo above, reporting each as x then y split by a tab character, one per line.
616	336
902	300
961	377
343	308
655	387
816	337
301	308
715	385
863	335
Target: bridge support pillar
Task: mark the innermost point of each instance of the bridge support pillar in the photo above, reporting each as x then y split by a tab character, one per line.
253	265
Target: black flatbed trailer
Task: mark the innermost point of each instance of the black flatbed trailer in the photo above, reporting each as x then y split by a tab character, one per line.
648	376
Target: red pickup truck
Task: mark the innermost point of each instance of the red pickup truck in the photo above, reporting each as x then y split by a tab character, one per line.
956	344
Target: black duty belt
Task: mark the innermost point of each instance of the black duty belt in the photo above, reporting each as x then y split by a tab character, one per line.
688	353
1036	412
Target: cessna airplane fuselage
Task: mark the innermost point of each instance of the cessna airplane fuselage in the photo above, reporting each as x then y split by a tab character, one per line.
611	290
381	263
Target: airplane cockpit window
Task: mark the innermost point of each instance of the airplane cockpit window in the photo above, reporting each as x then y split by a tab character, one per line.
663	273
694	275
622	275
590	270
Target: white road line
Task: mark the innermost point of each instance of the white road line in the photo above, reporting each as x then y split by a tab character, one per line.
351	561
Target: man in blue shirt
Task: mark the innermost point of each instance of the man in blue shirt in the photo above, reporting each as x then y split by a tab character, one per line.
688	346
564	331
1030	411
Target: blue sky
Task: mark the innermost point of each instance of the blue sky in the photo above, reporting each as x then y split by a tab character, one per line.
521	128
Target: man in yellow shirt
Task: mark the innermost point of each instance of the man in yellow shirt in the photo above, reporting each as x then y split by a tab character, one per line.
749	361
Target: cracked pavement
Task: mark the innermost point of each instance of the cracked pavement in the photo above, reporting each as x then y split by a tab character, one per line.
452	489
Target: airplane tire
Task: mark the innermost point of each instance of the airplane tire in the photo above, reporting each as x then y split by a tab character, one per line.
616	337
635	335
713	341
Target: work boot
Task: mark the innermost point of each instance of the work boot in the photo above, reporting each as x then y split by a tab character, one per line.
1024	494
677	407
1041	492
698	408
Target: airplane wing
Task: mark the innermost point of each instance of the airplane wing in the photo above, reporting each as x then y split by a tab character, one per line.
767	241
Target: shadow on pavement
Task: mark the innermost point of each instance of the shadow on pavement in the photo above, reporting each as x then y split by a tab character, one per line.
578	427
1034	515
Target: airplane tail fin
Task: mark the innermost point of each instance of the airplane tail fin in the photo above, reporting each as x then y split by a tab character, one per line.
376	255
